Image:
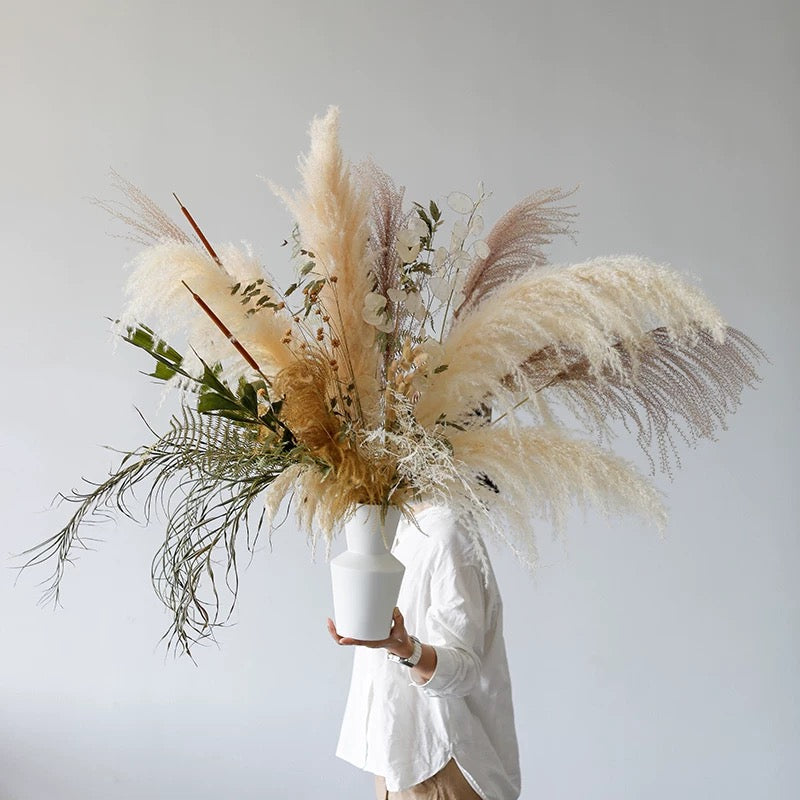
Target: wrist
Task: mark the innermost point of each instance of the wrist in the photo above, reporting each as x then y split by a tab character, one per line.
408	659
403	649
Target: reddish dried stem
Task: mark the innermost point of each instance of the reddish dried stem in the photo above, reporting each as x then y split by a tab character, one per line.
227	333
197	230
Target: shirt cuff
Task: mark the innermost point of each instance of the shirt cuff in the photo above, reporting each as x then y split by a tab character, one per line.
445	673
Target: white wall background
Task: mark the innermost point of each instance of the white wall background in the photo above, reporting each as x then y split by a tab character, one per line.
642	668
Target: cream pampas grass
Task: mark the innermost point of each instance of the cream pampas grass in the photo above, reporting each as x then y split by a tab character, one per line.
593	308
158	297
332	213
278	490
528	473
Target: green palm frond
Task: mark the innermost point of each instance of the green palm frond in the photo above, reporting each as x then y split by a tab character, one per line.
204	474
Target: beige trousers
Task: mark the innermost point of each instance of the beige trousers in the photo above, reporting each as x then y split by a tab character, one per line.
447	784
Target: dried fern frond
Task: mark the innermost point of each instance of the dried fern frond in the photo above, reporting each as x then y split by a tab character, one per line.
682	387
515	243
527	473
597	308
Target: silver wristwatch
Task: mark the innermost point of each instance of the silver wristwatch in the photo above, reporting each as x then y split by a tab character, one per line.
413	659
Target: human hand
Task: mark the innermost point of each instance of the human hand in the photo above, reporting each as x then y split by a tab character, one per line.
398	641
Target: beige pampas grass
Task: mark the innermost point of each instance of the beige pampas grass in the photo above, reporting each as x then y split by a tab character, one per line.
593	308
349	474
278	489
541	472
332	212
156	295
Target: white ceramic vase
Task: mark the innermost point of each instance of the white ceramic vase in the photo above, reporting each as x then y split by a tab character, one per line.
366	577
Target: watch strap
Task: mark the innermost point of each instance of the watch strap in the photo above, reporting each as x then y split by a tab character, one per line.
413	659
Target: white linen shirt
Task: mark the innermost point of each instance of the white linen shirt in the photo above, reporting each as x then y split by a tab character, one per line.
406	731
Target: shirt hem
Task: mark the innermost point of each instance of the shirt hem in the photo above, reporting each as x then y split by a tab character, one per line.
434	770
470	780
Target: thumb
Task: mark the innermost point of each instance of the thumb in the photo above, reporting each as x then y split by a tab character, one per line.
398	623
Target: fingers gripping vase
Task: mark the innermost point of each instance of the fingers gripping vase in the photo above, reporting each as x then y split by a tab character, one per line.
366	577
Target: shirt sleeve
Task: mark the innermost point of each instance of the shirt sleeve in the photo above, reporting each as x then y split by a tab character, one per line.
456	627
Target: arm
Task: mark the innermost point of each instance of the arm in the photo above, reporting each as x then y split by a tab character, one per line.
457	626
450	665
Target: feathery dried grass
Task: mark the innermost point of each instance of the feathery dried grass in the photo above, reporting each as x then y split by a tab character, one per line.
540	472
307	387
332	213
516	241
148	223
346	474
676	389
386	218
157	296
599	308
276	492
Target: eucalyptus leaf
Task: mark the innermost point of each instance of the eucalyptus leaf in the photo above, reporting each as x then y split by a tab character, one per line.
211	401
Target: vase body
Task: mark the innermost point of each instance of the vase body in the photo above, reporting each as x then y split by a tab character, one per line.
366	577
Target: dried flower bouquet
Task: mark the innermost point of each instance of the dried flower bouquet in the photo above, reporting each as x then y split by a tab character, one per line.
408	360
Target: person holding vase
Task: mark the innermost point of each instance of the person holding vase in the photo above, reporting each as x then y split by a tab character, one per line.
429	711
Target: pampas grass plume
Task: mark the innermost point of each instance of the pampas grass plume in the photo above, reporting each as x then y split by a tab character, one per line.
156	295
591	307
332	212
